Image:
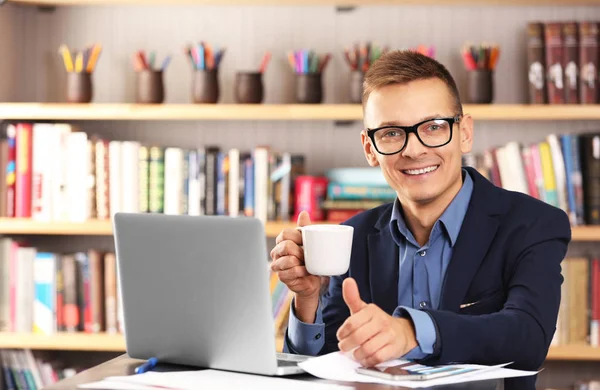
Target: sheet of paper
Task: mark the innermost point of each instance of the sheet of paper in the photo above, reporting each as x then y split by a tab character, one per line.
341	367
114	385
184	380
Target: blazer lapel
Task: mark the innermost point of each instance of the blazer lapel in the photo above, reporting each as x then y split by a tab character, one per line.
383	266
476	234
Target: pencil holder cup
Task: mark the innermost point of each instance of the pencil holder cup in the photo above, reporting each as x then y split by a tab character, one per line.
205	88
356	86
150	87
480	86
79	87
249	87
309	88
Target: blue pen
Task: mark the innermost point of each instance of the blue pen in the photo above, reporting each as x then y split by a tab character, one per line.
148	366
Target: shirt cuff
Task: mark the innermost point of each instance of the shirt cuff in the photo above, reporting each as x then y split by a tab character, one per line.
306	339
424	329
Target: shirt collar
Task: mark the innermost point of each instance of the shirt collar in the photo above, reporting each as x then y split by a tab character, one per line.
451	219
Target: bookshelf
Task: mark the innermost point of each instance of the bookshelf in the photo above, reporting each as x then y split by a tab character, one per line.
75	342
289	112
104	228
309	2
116	343
94	227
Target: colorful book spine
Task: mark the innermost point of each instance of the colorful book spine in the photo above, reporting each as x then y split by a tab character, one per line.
156	180
24	170
44	306
310	194
11	170
143	177
342	191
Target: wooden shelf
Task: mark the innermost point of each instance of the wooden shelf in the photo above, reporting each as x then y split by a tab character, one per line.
74	342
308	2
63	341
90	228
24	226
116	343
574	353
342	112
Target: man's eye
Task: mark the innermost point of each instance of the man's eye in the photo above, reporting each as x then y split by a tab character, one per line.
391	133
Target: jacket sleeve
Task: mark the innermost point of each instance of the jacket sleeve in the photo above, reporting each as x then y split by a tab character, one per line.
332	312
522	331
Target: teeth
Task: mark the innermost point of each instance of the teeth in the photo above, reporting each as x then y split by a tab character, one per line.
421	171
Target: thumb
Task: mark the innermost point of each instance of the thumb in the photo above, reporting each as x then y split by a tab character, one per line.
352	296
304	218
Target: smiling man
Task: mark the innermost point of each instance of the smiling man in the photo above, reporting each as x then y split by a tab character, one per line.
456	269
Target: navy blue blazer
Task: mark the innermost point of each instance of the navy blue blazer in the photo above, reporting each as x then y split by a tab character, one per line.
500	296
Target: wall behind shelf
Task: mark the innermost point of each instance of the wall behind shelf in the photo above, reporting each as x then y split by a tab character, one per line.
248	31
11	44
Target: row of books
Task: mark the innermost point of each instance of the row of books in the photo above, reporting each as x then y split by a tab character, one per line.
22	370
579	313
45	292
353	190
562	170
54	173
563	62
281	298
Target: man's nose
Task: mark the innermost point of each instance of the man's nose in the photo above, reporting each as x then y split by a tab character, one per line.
414	147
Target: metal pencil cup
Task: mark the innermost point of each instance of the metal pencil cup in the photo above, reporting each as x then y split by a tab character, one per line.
79	87
480	86
150	87
205	87
249	88
309	88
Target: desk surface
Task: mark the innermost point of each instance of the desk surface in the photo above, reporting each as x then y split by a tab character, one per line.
123	365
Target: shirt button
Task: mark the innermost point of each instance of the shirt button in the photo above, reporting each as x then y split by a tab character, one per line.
318	336
423	305
423	253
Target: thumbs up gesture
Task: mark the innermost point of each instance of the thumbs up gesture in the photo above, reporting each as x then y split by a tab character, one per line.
374	335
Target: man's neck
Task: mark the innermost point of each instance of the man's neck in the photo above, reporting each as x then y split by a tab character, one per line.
420	217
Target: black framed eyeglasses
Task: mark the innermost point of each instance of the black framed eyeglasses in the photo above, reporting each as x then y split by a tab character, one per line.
432	133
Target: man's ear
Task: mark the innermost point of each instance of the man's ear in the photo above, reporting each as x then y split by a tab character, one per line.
368	149
466	133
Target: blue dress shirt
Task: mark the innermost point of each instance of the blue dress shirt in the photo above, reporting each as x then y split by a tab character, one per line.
422	271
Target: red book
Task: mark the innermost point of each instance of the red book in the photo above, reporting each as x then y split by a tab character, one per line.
24	171
310	193
554	62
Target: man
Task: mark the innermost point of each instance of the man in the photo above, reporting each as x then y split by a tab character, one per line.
456	269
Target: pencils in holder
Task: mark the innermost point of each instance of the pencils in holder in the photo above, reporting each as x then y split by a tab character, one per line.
80	61
79	66
307	61
361	56
480	57
141	62
202	56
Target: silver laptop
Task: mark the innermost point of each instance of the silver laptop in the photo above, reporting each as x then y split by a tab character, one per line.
195	291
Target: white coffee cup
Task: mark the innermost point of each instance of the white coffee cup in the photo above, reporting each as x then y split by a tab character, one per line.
327	248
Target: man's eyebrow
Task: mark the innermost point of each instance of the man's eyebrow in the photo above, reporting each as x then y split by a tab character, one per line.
397	123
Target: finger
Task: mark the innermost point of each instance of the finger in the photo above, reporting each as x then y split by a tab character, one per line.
353	323
352	296
304	218
367	349
360	336
285	262
382	355
292	273
293	235
287	248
